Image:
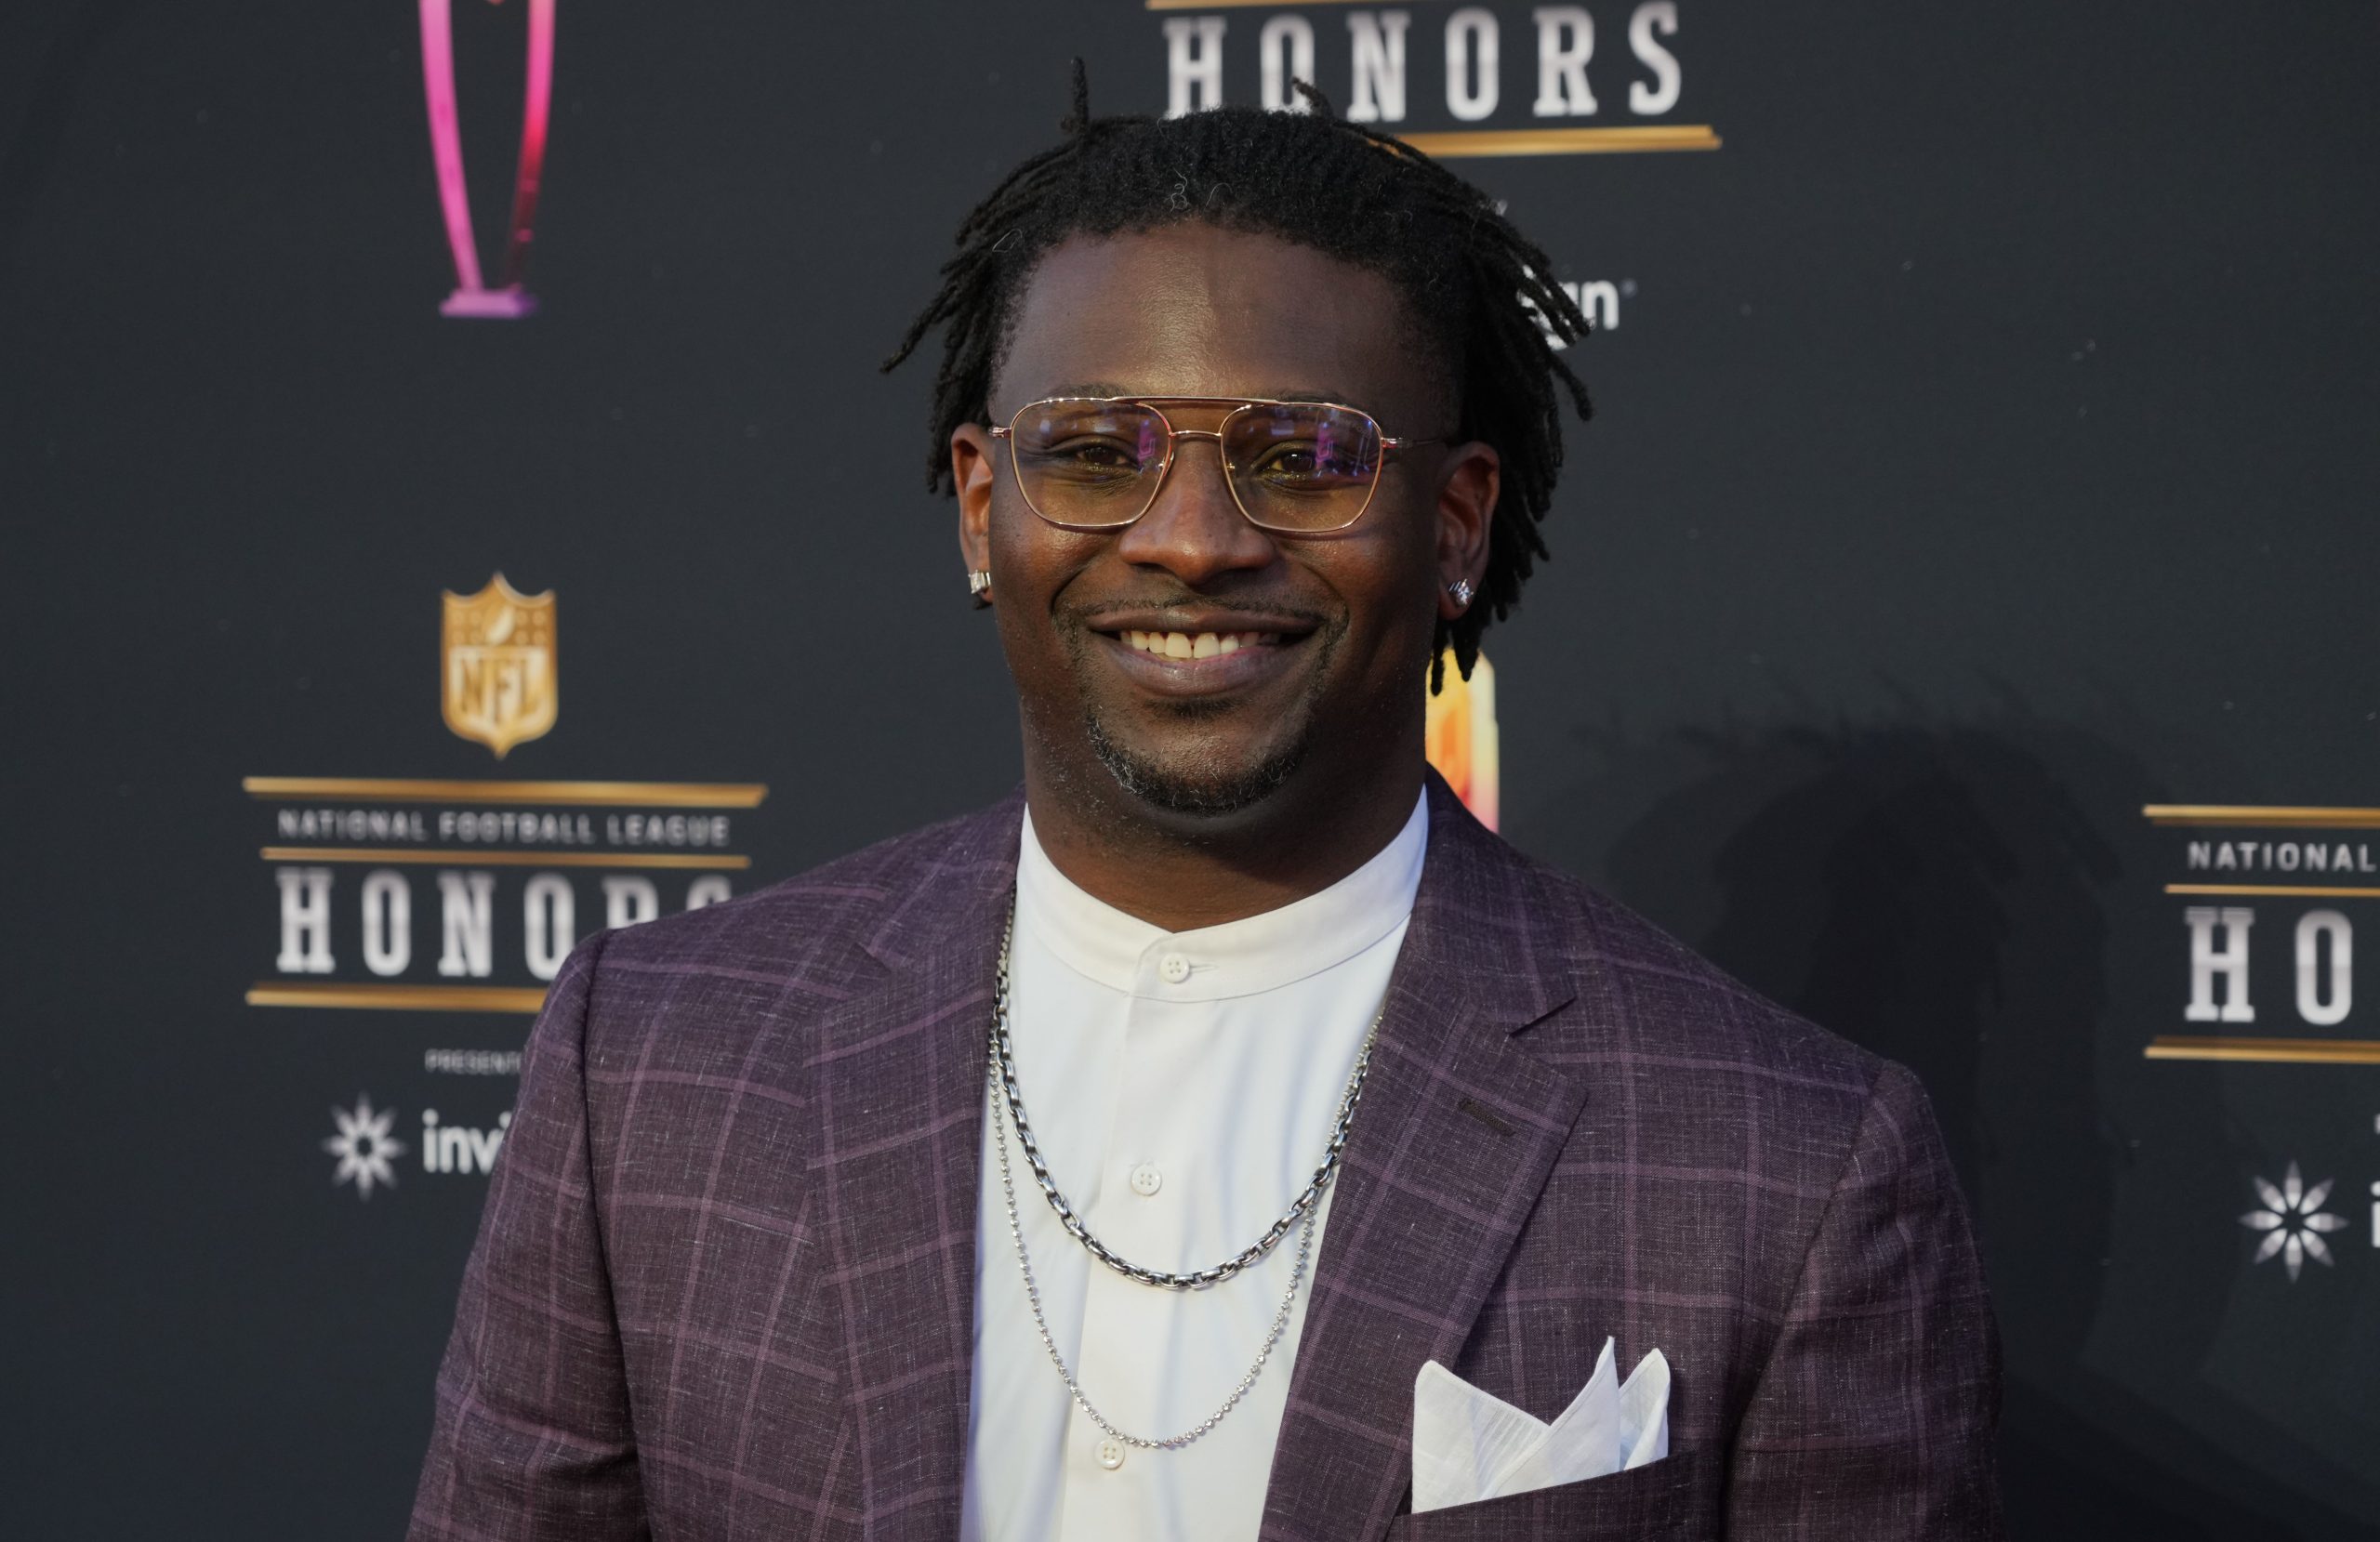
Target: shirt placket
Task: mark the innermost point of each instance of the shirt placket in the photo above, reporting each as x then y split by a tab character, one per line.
1113	1489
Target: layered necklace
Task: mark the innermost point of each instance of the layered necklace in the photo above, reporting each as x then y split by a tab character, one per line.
1008	1107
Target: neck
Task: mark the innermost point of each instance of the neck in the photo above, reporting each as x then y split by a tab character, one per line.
1181	873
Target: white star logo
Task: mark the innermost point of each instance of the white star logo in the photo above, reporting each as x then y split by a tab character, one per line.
2293	1221
363	1147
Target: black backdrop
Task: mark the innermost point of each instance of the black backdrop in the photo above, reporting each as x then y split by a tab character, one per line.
1985	453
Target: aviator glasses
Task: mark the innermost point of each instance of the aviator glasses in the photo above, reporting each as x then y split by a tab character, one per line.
1095	462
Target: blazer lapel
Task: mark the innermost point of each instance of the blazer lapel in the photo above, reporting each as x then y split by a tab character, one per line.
1457	1132
900	1072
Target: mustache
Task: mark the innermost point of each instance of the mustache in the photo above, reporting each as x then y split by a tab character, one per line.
1081	614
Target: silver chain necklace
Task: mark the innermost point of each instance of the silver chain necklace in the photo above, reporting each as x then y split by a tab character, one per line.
1004	1083
1008	1103
1041	1323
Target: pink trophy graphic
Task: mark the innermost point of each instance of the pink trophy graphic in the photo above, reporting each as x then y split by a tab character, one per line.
472	298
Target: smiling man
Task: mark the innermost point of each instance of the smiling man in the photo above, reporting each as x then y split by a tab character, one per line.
1227	1137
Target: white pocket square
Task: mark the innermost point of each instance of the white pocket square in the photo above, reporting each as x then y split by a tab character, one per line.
1470	1446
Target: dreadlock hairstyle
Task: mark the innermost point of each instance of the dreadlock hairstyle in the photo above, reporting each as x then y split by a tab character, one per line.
1482	294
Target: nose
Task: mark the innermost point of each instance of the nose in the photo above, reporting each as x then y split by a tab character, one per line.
1195	531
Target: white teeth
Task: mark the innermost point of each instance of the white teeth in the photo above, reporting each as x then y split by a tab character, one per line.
1195	645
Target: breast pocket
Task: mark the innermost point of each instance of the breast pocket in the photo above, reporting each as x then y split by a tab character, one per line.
1669	1499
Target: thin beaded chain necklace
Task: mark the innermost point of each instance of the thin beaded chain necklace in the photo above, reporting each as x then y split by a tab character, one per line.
1006	1101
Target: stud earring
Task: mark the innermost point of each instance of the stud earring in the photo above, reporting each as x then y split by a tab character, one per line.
1461	590
979	586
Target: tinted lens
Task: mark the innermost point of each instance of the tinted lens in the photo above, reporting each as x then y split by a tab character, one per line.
1088	463
1302	466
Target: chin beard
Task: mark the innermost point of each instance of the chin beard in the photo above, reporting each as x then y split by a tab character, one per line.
1193	783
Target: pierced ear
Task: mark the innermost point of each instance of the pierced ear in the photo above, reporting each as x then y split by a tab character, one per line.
1467	497
972	474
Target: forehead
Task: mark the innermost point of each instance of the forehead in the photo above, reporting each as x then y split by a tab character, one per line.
1194	310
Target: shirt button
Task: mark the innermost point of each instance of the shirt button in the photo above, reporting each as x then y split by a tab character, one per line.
1111	1454
1174	969
1146	1180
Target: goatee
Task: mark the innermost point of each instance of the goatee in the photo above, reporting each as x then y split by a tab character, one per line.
1193	783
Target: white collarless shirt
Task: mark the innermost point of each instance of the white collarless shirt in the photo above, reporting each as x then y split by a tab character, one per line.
1182	1087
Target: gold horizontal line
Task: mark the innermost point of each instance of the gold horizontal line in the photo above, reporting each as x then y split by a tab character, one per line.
2242	813
466	857
1469	142
2318	891
2201	1046
667	795
405	998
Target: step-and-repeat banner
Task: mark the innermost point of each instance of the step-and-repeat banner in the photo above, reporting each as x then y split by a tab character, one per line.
451	506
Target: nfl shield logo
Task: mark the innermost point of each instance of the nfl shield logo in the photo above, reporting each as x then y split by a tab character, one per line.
497	653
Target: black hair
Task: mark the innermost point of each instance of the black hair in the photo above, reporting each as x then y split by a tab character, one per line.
1484	294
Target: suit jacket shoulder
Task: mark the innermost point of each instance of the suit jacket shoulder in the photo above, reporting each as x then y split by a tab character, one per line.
837	915
1647	1001
750	964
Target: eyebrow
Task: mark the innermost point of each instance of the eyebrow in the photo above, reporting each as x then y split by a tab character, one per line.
1109	388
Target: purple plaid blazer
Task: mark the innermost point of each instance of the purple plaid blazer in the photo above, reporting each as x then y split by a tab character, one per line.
724	1285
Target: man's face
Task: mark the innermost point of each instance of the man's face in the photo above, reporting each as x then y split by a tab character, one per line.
1333	632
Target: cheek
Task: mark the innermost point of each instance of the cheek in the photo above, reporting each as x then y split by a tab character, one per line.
1033	565
1010	524
1028	556
1386	578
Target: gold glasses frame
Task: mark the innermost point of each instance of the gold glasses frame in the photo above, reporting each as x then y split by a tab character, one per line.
1174	435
